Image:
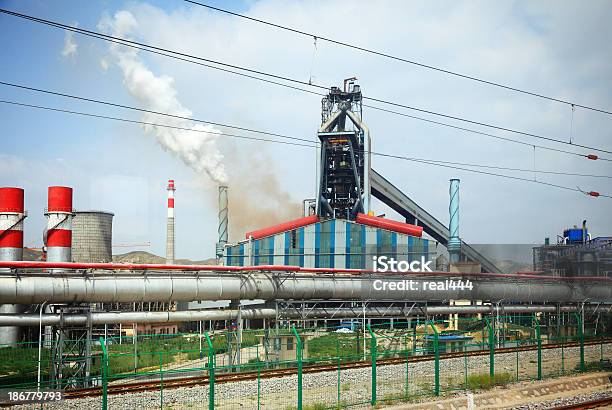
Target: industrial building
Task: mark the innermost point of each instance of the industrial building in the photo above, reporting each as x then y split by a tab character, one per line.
575	254
343	232
332	243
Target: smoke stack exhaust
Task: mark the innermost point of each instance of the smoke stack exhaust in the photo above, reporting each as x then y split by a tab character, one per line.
454	242
170	224
222	230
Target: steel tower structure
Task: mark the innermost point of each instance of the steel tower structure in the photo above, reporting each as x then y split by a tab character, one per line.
344	174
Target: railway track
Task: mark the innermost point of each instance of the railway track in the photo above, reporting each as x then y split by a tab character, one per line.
605	402
192	381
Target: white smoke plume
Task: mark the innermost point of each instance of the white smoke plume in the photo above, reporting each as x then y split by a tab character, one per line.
198	150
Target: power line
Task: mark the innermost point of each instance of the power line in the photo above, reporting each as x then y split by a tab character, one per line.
445	164
485	124
444	124
128	107
401	59
97	101
164	52
153	124
314	144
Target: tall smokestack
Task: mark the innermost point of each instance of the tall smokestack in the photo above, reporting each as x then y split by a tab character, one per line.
222	230
170	225
454	243
58	236
12	215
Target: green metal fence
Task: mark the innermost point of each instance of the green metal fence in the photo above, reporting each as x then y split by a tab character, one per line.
317	368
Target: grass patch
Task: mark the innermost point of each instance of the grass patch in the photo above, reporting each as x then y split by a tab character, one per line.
337	345
485	381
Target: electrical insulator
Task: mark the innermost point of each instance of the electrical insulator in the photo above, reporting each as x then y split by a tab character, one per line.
592	156
593	193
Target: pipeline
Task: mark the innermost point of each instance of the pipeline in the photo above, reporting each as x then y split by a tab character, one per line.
99	318
160	268
385	223
285	226
99	286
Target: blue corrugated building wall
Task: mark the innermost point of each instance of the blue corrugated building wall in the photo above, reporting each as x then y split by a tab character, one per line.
334	243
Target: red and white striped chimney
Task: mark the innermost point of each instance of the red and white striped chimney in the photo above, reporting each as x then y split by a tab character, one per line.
170	224
58	237
12	215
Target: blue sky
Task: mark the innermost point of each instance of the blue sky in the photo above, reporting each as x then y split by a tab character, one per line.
556	49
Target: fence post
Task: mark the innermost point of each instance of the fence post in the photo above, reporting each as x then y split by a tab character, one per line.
161	380
563	355
373	354
338	382
298	354
104	374
436	360
581	339
406	387
491	348
539	342
211	373
258	383
601	362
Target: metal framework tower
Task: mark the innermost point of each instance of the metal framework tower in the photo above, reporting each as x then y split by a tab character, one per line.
344	180
71	350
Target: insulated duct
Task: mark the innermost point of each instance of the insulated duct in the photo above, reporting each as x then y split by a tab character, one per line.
99	286
268	313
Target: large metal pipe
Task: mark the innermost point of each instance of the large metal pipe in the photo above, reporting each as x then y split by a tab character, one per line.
282	227
389	224
186	287
12	214
367	142
268	313
216	269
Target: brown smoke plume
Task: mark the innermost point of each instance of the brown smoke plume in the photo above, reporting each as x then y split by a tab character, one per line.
256	200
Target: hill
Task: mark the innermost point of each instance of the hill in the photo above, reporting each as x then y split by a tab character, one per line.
147	257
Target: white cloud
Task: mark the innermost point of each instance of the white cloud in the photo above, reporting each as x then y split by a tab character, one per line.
70	46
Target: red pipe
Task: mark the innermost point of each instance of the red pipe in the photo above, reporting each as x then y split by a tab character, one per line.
390	225
115	266
267	268
285	226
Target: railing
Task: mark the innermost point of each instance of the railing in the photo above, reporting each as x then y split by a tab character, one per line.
316	368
